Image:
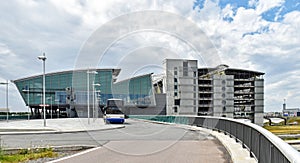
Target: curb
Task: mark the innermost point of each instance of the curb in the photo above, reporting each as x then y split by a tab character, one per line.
55	148
58	132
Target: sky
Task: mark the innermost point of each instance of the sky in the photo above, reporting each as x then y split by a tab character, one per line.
260	35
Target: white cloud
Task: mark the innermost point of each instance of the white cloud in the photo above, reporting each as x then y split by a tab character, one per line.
253	3
10	63
253	43
59	28
265	5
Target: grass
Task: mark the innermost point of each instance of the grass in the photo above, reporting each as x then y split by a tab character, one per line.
26	155
286	129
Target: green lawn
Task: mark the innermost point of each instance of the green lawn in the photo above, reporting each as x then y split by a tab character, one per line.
26	155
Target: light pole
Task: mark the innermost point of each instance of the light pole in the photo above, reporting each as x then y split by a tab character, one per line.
94	84
99	100
88	92
50	98
43	58
6	83
27	90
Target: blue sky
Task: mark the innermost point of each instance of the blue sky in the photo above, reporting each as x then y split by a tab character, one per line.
260	35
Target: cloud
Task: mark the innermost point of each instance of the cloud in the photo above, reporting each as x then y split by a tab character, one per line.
257	44
259	35
265	5
7	57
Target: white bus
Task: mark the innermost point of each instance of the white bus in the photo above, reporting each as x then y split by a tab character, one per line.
113	111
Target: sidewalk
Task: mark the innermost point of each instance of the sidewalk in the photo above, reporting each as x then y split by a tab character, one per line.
65	125
237	152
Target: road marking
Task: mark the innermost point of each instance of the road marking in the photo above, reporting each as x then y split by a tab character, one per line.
75	155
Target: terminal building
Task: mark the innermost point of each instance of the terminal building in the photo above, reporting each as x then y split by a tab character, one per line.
182	89
67	92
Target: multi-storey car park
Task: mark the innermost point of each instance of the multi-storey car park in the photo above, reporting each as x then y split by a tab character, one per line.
219	91
233	93
183	89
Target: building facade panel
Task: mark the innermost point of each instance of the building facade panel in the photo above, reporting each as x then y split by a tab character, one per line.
181	86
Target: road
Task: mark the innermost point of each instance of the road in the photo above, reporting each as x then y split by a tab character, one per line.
138	141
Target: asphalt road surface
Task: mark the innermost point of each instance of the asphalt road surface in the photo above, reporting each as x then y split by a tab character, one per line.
138	142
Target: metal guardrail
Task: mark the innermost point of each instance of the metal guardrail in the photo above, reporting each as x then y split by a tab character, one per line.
262	144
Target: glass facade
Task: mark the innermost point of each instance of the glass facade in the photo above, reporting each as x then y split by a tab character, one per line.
135	91
61	87
57	83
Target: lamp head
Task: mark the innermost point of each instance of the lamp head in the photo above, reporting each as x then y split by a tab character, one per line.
42	57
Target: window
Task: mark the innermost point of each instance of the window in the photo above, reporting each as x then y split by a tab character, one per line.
175	71
185	64
175	80
223	82
223	102
175	94
223	89
185	68
223	95
175	87
177	102
175	109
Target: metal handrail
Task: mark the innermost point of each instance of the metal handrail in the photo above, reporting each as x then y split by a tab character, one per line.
263	145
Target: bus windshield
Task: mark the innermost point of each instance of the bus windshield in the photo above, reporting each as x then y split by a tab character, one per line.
113	110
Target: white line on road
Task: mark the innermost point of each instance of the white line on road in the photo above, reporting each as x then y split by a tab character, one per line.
77	154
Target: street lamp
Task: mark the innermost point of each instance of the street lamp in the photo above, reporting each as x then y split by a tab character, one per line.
97	102
88	92
94	84
6	83
43	58
27	90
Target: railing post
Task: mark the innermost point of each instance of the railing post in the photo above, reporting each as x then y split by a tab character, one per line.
225	127
259	148
243	137
230	133
251	145
236	133
270	157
